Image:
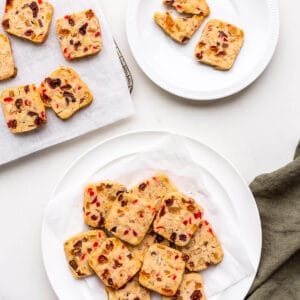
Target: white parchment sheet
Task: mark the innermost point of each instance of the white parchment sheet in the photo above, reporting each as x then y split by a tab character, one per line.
64	216
103	73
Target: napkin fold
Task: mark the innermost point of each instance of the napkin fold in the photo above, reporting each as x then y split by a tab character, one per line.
278	198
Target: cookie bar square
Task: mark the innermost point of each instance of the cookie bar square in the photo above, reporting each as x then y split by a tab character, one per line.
23	108
178	218
191	287
28	19
79	248
130	218
79	34
179	29
150	239
204	249
153	189
98	200
196	7
7	63
131	291
114	264
162	270
219	45
65	92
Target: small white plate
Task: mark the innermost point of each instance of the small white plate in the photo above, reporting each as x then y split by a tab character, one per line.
220	177
172	66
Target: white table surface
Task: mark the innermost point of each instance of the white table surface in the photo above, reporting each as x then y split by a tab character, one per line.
257	130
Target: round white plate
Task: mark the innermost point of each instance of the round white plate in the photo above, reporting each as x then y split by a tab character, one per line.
172	66
219	177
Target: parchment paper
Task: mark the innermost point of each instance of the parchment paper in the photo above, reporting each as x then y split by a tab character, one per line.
103	74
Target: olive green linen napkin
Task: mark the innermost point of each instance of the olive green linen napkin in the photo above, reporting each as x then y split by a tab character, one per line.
278	198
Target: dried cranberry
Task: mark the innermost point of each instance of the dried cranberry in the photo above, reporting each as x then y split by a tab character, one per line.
66	87
28	32
222	34
182	237
117	264
46	98
35	8
53	83
185	257
19	103
38	121
89	14
9	2
5	24
78	244
69	97
173	236
162	211
169	202
142	186
32	114
102	259
12	124
82	29
71	22
110	246
73	264
197	295
94	218
77	45
26	89
110	281
124	203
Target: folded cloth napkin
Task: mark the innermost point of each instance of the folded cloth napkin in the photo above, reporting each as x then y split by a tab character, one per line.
278	198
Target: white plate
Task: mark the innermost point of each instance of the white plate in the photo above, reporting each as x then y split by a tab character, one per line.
173	67
219	175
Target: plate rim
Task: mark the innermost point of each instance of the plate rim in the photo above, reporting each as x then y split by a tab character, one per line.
254	74
132	133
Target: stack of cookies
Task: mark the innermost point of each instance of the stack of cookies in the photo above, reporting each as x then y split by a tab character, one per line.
79	35
220	42
144	239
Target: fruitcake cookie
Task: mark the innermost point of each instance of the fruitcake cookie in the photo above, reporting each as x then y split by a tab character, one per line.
191	287
195	7
23	108
79	34
219	45
7	63
203	250
154	188
114	264
130	218
28	19
179	29
178	218
162	270
98	200
150	239
65	92
79	248
131	291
